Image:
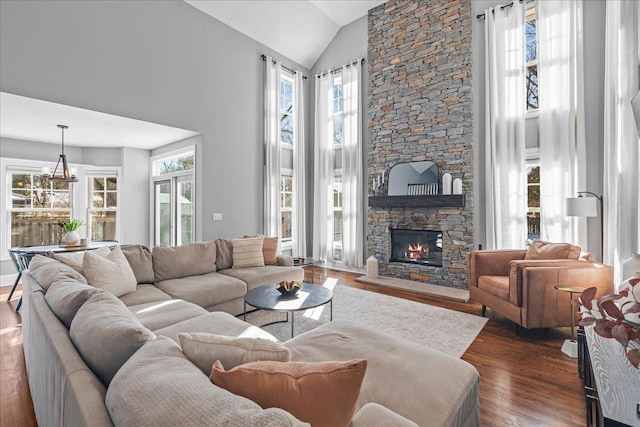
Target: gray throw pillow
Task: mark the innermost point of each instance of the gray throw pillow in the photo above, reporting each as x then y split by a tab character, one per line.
106	334
224	256
141	262
66	296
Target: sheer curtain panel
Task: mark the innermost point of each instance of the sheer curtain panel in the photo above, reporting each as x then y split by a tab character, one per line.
352	174
272	148
621	154
561	118
505	178
299	247
323	169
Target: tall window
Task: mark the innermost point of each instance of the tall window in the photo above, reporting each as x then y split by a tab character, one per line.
337	217
286	208
103	209
174	198
35	209
287	182
533	201
531	57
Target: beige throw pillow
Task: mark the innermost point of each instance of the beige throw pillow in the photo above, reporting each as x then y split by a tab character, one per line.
248	253
323	394
204	349
65	297
74	259
269	248
111	273
546	250
46	270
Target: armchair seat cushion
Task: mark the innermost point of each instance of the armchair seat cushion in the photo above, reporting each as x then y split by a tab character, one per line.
497	286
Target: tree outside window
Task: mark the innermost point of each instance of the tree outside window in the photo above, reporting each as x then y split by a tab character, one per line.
531	58
533	202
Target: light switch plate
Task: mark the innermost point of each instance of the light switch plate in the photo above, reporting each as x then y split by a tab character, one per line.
217	217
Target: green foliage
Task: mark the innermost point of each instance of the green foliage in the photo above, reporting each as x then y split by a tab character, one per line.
71	225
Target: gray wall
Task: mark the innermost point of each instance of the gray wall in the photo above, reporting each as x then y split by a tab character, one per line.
31	150
164	62
594	39
348	44
135	196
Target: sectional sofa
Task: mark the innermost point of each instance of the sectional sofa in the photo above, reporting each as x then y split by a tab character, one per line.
97	359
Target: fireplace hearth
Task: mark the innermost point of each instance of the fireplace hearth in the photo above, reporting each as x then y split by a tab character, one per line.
416	247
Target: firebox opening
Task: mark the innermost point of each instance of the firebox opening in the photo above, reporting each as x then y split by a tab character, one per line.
416	247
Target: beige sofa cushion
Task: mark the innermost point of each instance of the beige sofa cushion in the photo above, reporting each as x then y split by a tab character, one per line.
143	294
224	255
323	394
174	392
248	253
205	290
46	270
66	296
111	272
141	262
181	261
106	334
375	415
160	314
74	259
546	250
203	349
269	274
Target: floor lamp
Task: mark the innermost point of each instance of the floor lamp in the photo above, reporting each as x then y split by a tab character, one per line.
588	207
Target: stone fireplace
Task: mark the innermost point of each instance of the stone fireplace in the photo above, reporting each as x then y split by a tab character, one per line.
416	247
420	108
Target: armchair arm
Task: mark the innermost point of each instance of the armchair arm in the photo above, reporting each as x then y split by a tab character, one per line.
491	263
544	306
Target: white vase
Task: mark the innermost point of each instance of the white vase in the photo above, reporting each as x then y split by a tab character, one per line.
71	238
446	183
457	186
630	266
372	267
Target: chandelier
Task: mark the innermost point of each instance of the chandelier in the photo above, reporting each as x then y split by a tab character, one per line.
67	176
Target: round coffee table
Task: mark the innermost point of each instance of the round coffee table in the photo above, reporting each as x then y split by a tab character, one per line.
268	298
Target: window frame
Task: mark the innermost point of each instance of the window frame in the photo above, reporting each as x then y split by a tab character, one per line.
531	14
100	173
532	160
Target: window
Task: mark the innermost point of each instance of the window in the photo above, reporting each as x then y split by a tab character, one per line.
533	202
286	207
103	209
174	198
531	57
337	216
287	182
338	106
286	109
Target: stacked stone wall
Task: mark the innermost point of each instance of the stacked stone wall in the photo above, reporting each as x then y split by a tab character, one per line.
419	92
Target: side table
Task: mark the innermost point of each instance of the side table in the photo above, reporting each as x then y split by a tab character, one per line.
570	346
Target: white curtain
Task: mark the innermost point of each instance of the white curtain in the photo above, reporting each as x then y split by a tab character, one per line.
272	148
621	153
561	118
323	169
299	244
505	178
352	174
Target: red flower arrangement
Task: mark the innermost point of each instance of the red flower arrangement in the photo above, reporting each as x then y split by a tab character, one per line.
609	319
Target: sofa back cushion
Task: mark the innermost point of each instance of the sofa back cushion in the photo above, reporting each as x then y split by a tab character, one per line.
248	253
106	334
46	270
65	297
141	262
181	261
296	387
546	250
111	273
269	248
224	255
74	259
174	392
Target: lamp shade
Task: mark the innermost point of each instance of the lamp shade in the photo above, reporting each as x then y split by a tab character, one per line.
581	206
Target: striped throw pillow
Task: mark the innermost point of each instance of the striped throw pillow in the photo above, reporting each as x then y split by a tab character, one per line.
248	253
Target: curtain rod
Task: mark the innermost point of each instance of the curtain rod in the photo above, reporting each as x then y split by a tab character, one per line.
338	69
264	58
503	7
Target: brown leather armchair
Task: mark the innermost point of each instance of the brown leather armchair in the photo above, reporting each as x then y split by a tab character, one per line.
519	284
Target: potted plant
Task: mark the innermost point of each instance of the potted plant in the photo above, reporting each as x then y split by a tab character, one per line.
612	320
71	237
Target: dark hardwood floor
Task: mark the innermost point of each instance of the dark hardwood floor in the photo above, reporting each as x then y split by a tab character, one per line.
524	379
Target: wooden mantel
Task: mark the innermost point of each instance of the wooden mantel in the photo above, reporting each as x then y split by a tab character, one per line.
434	201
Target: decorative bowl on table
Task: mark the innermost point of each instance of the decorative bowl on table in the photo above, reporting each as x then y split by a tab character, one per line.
289	288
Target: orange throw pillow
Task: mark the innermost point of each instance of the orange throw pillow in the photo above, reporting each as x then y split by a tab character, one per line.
323	394
546	251
269	248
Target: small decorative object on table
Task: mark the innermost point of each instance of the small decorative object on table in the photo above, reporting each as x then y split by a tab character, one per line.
71	237
289	288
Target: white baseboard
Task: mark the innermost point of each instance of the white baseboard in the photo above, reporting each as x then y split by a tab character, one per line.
8	279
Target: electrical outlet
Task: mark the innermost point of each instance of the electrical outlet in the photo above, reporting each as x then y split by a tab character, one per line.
217	217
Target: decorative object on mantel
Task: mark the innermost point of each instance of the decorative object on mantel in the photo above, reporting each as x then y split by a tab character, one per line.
610	319
446	184
71	237
457	186
67	175
403	175
289	288
630	266
377	182
372	267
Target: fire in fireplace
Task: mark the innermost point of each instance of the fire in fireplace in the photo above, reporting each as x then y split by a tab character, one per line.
416	247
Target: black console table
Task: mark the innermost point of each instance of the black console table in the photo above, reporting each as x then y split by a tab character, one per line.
611	383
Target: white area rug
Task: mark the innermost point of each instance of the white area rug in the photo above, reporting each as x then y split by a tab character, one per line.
449	331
